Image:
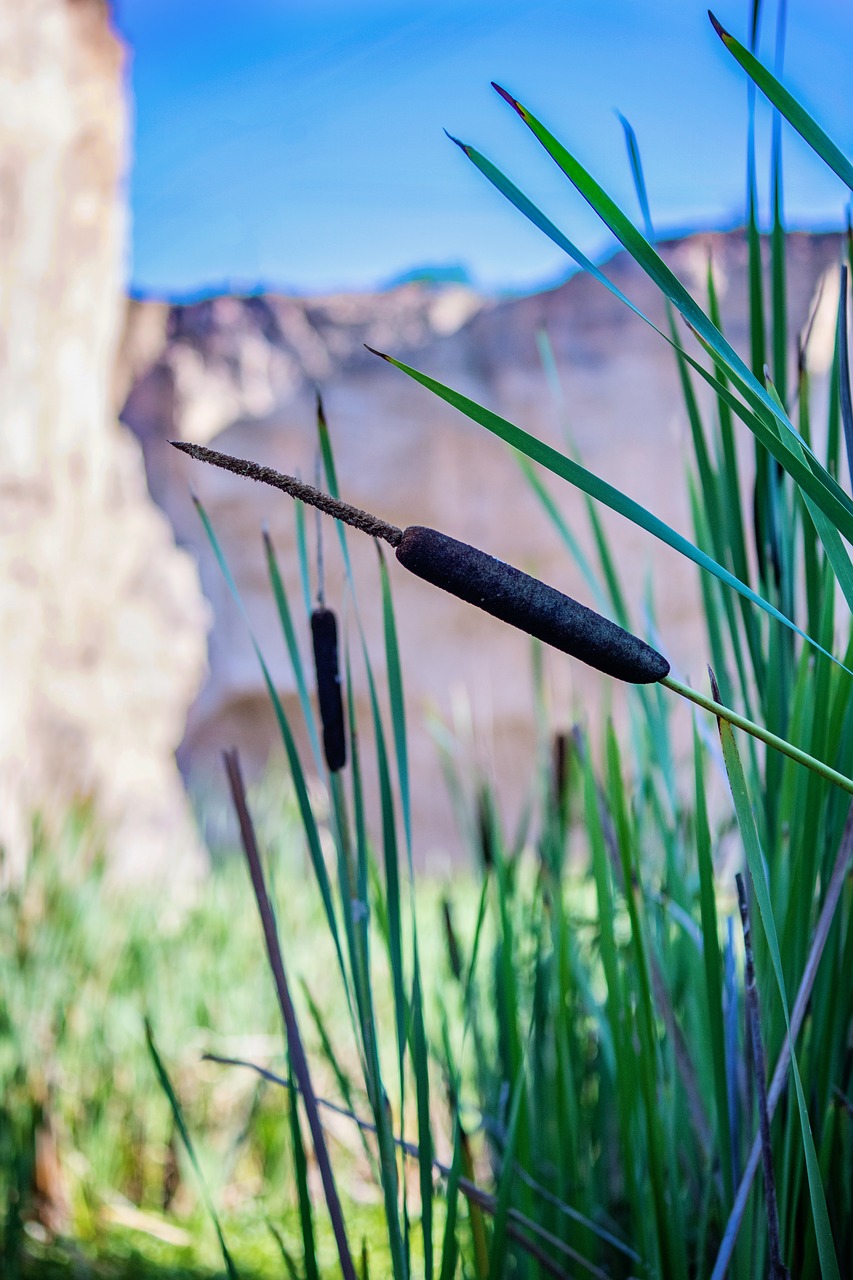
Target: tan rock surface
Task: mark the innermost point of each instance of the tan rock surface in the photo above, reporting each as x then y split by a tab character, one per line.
241	373
101	618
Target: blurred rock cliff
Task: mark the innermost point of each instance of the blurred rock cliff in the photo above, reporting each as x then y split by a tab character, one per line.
102	623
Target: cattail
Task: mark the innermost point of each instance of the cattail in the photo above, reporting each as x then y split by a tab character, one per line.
516	598
532	606
480	579
324	634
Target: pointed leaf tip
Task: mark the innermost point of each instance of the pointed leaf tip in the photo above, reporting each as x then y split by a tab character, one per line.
718	27
715	688
715	694
507	97
381	354
461	145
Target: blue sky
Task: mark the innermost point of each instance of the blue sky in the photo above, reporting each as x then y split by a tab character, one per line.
299	145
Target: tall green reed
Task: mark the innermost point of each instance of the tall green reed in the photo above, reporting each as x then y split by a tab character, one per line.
791	561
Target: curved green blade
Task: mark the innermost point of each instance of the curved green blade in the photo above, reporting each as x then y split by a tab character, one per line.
599	489
772	432
646	257
181	1126
784	102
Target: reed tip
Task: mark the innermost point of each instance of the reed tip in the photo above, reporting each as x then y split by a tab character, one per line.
718	27
507	97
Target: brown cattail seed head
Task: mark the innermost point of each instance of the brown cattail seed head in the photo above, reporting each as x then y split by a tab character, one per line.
324	633
525	602
472	575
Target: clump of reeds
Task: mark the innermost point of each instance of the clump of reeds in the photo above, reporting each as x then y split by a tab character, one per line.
603	1008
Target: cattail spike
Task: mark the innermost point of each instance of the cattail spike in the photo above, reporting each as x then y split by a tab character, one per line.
479	579
324	633
532	606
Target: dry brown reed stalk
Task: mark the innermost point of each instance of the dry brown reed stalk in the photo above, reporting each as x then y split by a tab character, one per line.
294	1039
361	520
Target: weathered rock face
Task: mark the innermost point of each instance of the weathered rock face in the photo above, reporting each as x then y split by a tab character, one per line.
101	618
242	373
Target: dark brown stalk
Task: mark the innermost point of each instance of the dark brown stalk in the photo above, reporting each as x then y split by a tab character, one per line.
354	516
778	1270
453	953
560	762
294	1039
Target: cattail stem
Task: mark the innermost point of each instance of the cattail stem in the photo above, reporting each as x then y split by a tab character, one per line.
314	497
321	567
764	735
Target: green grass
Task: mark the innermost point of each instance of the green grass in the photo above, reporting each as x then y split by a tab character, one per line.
560	1044
81	965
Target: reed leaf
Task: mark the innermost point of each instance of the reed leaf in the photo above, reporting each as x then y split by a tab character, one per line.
597	488
788	106
181	1126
